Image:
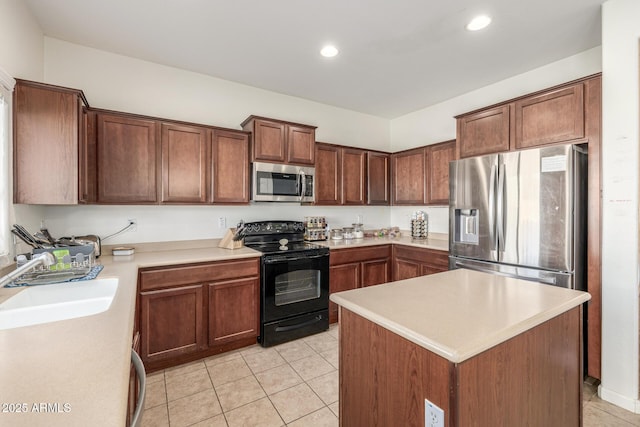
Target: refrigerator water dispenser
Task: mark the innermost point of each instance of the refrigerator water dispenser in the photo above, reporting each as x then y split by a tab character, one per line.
466	226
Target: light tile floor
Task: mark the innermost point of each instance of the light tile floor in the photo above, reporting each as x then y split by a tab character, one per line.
293	384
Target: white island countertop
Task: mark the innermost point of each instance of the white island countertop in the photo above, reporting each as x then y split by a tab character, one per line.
460	313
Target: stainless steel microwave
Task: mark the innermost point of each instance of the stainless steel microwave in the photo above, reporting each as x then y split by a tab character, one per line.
275	182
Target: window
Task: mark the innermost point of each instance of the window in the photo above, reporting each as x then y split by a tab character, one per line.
6	87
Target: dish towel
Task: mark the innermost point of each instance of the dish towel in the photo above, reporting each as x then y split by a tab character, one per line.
92	274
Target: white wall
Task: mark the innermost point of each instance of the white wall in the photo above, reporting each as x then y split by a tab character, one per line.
126	84
436	123
168	223
21	41
21	56
620	92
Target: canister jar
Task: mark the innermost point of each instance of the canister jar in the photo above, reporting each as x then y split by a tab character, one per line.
348	232
336	234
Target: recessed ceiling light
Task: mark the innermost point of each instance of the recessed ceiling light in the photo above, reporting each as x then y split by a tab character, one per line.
478	23
329	51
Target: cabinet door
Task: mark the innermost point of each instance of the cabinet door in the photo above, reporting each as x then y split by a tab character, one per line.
172	322
184	163
301	143
234	310
484	132
438	158
127	159
551	117
408	177
353	176
269	141
45	153
342	277
230	160
328	179
406	269
376	272
377	179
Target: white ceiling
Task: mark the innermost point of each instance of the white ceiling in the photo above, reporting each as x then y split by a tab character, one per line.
395	56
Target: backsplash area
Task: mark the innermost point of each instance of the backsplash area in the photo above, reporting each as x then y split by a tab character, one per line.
172	223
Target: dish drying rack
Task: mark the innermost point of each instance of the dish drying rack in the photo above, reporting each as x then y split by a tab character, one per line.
72	262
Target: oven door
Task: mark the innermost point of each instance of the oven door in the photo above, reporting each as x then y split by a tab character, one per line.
293	285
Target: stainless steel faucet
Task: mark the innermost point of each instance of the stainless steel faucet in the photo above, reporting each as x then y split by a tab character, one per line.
46	259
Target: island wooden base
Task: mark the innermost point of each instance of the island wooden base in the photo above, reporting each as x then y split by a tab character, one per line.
533	379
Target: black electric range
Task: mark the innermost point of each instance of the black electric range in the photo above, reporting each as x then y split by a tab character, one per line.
294	289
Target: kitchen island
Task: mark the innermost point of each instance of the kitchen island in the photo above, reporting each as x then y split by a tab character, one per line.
488	350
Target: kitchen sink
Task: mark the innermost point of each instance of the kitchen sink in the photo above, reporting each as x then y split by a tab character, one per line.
60	301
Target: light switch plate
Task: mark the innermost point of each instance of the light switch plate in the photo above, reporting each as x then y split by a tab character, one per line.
433	415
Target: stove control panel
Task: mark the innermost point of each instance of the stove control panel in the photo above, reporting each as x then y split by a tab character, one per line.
274	227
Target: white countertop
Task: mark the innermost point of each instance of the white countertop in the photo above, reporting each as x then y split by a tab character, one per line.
440	244
83	362
460	313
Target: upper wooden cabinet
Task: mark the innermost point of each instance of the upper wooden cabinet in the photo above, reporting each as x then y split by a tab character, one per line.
484	132
184	163
230	159
127	159
421	176
550	117
555	115
408	171
378	174
48	132
328	179
438	158
342	175
281	142
354	170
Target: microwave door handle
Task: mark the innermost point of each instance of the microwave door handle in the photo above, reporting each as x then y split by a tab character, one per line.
303	185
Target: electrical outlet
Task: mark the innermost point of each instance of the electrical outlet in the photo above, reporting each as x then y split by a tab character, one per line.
433	416
222	222
134	226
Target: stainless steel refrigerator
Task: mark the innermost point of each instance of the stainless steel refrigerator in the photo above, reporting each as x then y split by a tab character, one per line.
521	214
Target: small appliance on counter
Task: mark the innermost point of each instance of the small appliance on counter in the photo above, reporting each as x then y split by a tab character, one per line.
419	225
315	228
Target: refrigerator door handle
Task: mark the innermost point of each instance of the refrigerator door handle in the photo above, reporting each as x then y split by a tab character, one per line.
500	208
492	204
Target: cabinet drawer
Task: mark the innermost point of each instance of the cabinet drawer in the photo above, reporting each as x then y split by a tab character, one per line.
423	255
343	256
158	278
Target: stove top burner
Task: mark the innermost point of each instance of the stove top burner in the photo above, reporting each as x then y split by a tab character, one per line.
276	248
279	238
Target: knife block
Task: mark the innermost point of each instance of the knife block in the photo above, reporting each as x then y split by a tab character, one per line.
227	241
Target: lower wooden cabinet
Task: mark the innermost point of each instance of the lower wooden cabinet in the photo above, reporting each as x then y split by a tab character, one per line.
172	322
353	268
410	261
188	312
233	306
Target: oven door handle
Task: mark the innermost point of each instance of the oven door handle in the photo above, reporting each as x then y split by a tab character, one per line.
299	325
278	260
